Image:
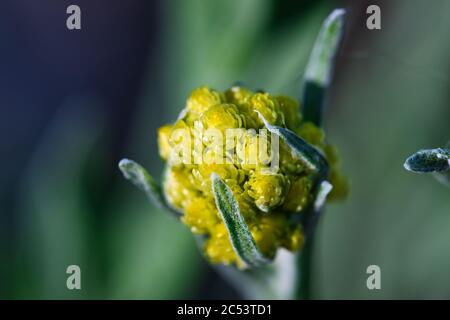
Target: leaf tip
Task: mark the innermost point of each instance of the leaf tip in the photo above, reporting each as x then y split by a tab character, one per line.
335	19
124	163
336	15
324	189
214	176
407	165
428	160
124	166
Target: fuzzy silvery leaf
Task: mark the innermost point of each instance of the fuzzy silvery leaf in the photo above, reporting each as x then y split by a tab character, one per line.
435	161
324	189
311	157
430	160
241	239
320	66
143	180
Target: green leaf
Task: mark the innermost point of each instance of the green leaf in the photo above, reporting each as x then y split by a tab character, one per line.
311	157
435	161
430	160
320	66
141	178
241	239
324	189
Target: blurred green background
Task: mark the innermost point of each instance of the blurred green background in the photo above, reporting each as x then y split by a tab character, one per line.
74	104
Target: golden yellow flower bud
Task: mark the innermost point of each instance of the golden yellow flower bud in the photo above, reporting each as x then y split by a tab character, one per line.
218	248
222	116
312	134
202	98
340	184
178	188
201	215
299	195
267	196
291	111
237	95
253	150
267	189
289	162
164	141
202	175
267	106
294	239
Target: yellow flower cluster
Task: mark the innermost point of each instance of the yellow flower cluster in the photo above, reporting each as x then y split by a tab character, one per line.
266	199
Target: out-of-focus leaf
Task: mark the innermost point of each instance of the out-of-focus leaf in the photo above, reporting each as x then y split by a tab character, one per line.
241	239
436	161
320	66
143	180
430	160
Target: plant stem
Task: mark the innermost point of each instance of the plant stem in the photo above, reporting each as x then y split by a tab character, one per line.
304	269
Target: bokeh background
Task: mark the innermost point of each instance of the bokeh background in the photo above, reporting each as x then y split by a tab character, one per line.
73	103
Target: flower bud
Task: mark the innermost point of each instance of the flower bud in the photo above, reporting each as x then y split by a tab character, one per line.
220	133
267	189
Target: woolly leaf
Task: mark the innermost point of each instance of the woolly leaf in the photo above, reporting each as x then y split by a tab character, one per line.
241	239
141	178
430	160
320	66
311	157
